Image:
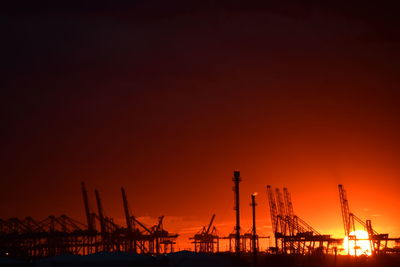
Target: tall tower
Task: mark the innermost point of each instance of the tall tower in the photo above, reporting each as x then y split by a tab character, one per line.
254	232
236	180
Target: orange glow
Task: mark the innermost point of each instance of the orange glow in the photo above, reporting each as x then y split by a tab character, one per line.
359	246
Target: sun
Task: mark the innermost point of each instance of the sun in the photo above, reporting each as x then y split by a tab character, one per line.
358	243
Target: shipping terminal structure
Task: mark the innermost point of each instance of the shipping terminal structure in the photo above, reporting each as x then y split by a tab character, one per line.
56	235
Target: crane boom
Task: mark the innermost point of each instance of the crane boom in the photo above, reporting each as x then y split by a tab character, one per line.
100	210
282	211
89	217
126	210
345	210
159	225
142	225
288	202
289	211
272	208
210	224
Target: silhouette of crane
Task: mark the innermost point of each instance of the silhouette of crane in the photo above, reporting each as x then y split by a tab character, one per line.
378	242
207	239
292	234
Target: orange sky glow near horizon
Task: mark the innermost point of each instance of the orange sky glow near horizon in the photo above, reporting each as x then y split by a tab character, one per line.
321	216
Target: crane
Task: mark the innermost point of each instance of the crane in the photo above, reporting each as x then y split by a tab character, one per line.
205	239
293	234
378	242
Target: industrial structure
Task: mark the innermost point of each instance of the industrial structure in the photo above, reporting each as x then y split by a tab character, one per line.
30	239
207	239
238	242
236	180
247	241
378	242
254	243
292	234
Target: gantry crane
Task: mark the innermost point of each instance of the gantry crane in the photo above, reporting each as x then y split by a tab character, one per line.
151	240
377	241
55	235
292	234
207	239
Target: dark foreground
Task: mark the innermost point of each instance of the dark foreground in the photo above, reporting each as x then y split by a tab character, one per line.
190	259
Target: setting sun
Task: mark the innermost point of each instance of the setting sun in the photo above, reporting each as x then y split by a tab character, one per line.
357	244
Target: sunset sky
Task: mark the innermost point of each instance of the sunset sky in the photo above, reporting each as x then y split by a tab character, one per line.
168	99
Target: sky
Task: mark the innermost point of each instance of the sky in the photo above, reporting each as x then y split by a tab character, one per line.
168	99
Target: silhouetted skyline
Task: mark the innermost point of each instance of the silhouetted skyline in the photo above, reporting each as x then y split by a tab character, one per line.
167	99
